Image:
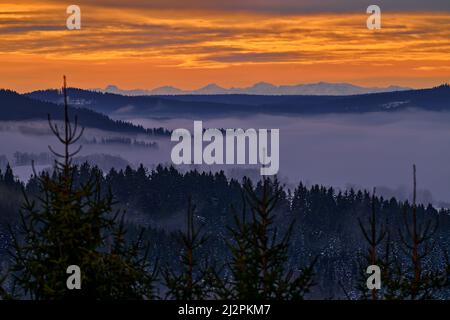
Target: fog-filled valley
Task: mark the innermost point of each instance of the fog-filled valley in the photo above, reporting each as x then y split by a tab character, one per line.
340	150
364	150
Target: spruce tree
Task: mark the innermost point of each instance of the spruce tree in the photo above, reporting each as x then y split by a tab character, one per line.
191	282
259	266
407	274
73	223
415	280
378	253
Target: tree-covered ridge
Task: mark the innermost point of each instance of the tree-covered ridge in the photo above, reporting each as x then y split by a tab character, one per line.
326	219
16	107
433	99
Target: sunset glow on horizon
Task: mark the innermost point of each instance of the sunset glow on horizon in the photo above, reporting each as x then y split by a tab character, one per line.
139	46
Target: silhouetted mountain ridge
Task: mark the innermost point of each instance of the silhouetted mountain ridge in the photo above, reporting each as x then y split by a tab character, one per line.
260	88
17	107
434	99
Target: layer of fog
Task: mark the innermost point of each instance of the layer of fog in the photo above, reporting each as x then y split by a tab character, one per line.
343	151
358	150
34	137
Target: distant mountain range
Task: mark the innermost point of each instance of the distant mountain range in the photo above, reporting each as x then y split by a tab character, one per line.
261	88
198	106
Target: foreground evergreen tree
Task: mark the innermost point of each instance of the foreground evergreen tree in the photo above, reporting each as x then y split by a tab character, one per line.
258	268
417	280
378	253
73	223
190	283
409	273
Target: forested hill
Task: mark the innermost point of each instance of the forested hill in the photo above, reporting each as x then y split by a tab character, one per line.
16	107
434	99
327	220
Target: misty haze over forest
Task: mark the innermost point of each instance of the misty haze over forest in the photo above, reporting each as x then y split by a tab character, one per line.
359	150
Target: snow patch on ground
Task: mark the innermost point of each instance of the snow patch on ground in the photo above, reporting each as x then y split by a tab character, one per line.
394	104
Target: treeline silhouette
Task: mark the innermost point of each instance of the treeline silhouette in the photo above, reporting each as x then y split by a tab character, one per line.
433	99
326	222
121	141
16	107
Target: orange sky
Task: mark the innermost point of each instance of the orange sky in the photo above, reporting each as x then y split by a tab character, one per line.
138	46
